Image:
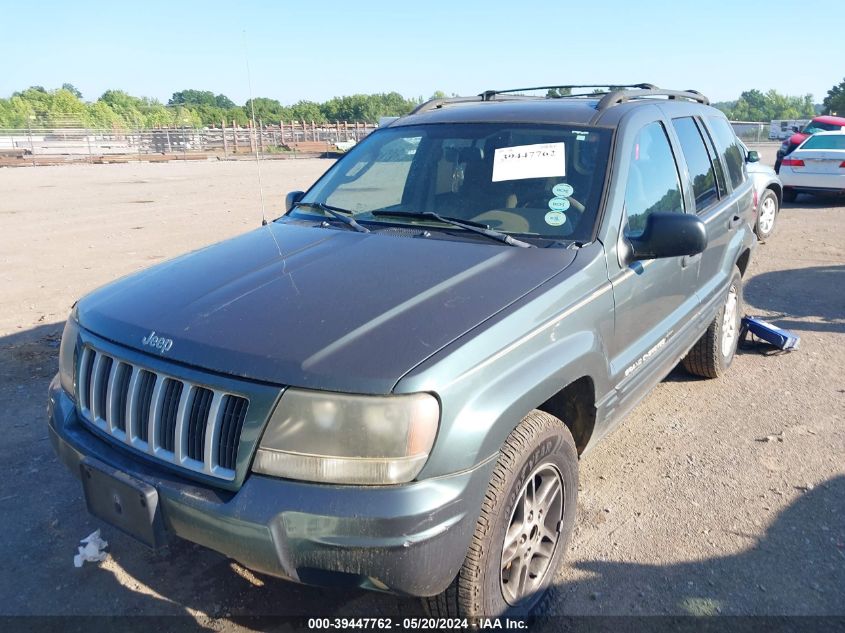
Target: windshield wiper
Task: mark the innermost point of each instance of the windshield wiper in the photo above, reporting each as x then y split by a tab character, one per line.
337	213
467	225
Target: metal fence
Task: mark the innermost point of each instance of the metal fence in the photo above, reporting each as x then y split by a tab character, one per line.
76	143
752	131
72	142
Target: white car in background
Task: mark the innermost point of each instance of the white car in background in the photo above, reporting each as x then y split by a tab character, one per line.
768	190
817	166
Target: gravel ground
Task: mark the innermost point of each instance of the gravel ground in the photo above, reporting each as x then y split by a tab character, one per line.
723	496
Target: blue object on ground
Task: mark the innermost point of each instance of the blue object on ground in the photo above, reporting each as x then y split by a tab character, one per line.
782	339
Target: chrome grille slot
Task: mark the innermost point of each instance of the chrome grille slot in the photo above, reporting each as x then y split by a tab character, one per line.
169	406
101	381
121	397
143	404
234	413
200	406
173	420
86	368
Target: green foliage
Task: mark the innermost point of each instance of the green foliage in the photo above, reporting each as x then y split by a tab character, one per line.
72	89
369	108
834	102
266	110
754	105
116	109
558	92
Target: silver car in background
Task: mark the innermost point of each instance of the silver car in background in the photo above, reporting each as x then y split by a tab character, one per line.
768	191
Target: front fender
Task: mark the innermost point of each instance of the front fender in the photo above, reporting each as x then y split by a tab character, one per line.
488	380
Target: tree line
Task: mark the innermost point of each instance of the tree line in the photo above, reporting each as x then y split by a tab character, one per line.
39	107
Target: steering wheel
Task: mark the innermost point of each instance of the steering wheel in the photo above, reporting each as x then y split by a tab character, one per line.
504	220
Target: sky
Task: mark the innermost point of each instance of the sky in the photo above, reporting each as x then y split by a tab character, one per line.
317	50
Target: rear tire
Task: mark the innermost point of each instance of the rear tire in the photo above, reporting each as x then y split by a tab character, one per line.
767	213
789	194
714	352
533	487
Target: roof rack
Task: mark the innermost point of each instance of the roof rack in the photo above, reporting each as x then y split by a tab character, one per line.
433	104
616	95
488	95
621	96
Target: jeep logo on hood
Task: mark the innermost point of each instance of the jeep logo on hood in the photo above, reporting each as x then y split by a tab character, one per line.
157	342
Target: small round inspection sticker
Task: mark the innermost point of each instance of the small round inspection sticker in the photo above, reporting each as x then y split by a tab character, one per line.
555	218
563	190
558	204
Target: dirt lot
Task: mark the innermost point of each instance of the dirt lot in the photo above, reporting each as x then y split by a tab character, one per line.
724	496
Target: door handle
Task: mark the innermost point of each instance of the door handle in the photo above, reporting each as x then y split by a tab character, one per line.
735	222
687	260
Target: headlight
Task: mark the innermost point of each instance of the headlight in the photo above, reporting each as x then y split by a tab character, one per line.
348	439
67	352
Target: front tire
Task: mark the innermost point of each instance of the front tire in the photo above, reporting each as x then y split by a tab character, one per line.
524	527
767	212
714	352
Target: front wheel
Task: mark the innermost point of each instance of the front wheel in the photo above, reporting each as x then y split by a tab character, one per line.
767	211
714	352
526	520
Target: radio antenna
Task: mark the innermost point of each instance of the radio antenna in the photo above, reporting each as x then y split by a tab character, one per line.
255	143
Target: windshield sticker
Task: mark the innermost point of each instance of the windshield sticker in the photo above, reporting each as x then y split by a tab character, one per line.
555	218
558	204
544	160
563	190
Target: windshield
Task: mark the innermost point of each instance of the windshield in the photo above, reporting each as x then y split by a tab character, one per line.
818	126
534	180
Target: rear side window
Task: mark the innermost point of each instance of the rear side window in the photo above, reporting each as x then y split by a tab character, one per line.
698	161
728	146
653	183
825	141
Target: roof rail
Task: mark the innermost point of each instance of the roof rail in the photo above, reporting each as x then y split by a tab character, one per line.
488	95
616	95
621	96
433	104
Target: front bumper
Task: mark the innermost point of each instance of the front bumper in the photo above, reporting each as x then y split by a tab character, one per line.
409	539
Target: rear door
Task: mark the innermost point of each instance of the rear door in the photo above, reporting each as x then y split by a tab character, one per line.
725	221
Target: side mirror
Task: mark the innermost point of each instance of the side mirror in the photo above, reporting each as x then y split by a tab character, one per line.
292	198
753	156
669	235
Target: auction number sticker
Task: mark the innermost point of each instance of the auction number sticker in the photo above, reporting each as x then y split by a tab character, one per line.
544	160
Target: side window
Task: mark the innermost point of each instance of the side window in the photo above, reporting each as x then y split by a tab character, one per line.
653	183
728	147
698	161
714	158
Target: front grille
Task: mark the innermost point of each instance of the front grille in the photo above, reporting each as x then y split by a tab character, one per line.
176	421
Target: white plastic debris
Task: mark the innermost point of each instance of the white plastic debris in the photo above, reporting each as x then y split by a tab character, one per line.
92	551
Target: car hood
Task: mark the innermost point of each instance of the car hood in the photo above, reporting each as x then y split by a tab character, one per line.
316	307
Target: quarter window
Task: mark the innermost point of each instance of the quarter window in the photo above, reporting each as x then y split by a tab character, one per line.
700	168
653	183
728	146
